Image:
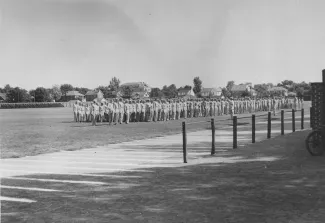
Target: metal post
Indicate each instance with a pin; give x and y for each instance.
(269, 125)
(184, 142)
(253, 128)
(234, 132)
(293, 121)
(213, 148)
(282, 122)
(302, 118)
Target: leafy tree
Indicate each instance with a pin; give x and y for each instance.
(170, 91)
(106, 91)
(245, 94)
(225, 92)
(65, 88)
(17, 95)
(7, 88)
(42, 95)
(114, 84)
(164, 90)
(50, 95)
(32, 95)
(197, 85)
(156, 93)
(126, 91)
(300, 91)
(173, 91)
(230, 84)
(270, 85)
(56, 92)
(286, 83)
(261, 90)
(186, 87)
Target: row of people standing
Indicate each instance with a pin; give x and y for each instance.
(117, 111)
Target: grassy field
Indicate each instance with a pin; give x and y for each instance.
(27, 132)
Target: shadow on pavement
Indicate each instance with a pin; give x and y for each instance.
(272, 181)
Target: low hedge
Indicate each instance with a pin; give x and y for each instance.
(31, 105)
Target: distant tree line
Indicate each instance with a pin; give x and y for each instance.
(59, 92)
(55, 93)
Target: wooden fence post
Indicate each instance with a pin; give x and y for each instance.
(293, 120)
(269, 125)
(302, 118)
(234, 132)
(213, 130)
(184, 142)
(253, 128)
(282, 122)
(323, 110)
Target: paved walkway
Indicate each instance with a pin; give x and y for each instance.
(156, 152)
(271, 181)
(135, 156)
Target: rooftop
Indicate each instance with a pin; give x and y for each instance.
(3, 96)
(184, 90)
(210, 89)
(94, 92)
(241, 87)
(278, 89)
(74, 93)
(135, 84)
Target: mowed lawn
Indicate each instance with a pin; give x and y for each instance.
(26, 132)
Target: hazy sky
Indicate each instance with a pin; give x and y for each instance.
(87, 42)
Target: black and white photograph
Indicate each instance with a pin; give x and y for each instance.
(162, 111)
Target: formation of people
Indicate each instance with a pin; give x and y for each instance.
(120, 111)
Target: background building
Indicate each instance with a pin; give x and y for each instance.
(95, 94)
(74, 95)
(211, 92)
(242, 90)
(278, 91)
(185, 92)
(135, 90)
(3, 97)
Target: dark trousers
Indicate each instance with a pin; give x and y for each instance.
(95, 117)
